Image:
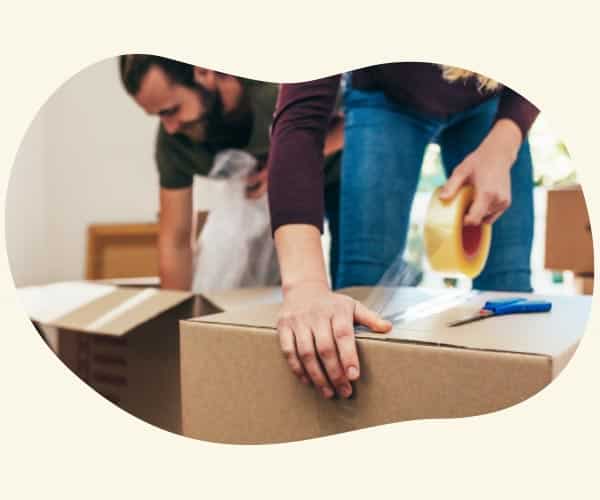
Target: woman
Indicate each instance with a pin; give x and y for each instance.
(392, 113)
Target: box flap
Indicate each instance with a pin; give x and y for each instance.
(104, 310)
(551, 334)
(123, 310)
(45, 304)
(418, 301)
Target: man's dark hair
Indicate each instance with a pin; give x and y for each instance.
(134, 67)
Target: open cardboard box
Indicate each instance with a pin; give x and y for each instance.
(124, 341)
(237, 387)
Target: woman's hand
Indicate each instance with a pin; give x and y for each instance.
(488, 170)
(316, 333)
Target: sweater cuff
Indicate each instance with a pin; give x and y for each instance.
(279, 219)
(518, 109)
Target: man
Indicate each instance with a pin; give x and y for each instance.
(203, 112)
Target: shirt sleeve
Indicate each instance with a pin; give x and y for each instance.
(299, 128)
(168, 161)
(518, 109)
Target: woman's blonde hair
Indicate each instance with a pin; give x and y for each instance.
(453, 74)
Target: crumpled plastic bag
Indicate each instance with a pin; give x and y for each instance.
(235, 248)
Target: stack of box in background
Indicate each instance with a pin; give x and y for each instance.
(569, 244)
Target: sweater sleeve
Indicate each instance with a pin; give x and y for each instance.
(518, 109)
(298, 134)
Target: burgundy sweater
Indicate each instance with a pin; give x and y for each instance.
(304, 109)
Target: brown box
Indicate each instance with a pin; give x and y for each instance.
(124, 341)
(128, 250)
(121, 250)
(237, 388)
(568, 233)
(584, 284)
(130, 358)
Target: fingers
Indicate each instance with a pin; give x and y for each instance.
(328, 354)
(343, 333)
(486, 208)
(454, 183)
(257, 191)
(256, 184)
(319, 344)
(308, 357)
(370, 319)
(288, 347)
(257, 177)
(491, 219)
(477, 211)
(322, 351)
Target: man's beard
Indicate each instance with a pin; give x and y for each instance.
(217, 129)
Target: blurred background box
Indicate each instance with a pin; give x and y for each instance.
(127, 250)
(122, 251)
(569, 244)
(584, 284)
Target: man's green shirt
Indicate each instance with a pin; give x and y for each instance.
(179, 159)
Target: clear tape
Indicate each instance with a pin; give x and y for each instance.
(449, 247)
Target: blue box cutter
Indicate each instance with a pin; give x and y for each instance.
(502, 307)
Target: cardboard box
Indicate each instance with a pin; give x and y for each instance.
(121, 250)
(124, 341)
(237, 387)
(128, 250)
(584, 284)
(568, 233)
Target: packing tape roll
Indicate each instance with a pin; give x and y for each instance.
(450, 245)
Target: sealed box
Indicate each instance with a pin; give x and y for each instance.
(237, 387)
(124, 341)
(568, 233)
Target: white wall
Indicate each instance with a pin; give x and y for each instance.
(26, 236)
(98, 161)
(87, 158)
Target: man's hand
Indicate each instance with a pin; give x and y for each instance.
(488, 170)
(256, 184)
(316, 333)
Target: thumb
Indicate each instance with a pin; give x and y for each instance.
(370, 319)
(453, 184)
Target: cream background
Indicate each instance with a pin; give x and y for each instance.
(59, 440)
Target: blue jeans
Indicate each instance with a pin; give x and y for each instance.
(384, 147)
